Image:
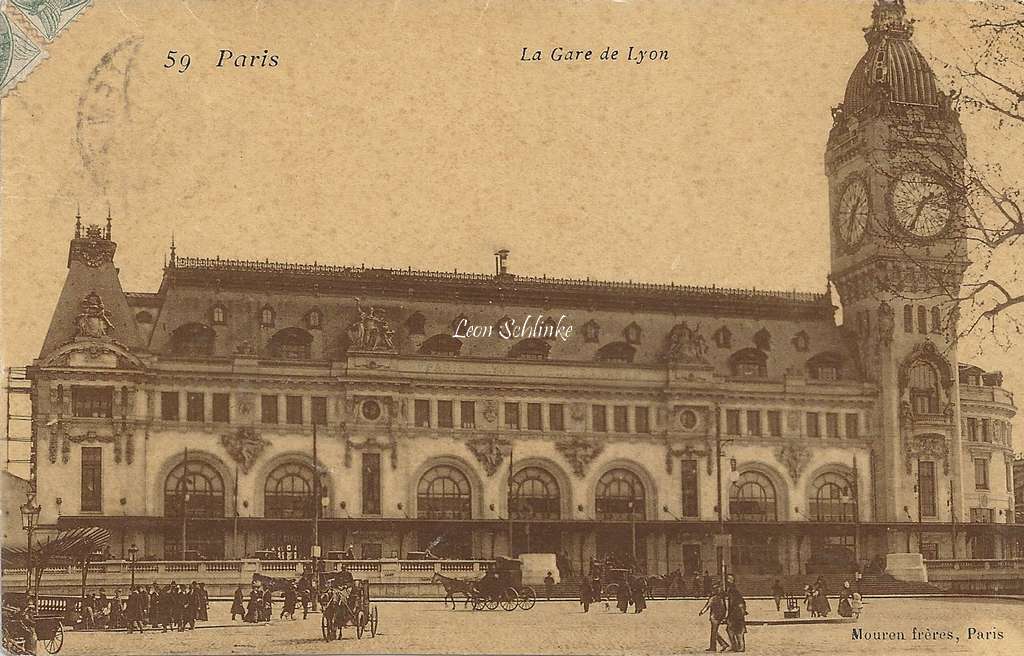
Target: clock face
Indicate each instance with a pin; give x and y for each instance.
(920, 205)
(853, 212)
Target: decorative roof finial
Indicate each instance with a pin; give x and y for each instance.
(889, 17)
(173, 257)
(78, 221)
(108, 223)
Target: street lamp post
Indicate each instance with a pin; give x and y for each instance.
(29, 517)
(632, 531)
(132, 553)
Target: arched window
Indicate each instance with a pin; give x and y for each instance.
(290, 492)
(194, 485)
(723, 337)
(532, 348)
(444, 493)
(441, 344)
(291, 344)
(591, 332)
(620, 495)
(936, 319)
(632, 333)
(534, 494)
(833, 499)
(924, 388)
(218, 315)
(314, 319)
(267, 316)
(192, 339)
(749, 363)
(752, 498)
(922, 319)
(616, 352)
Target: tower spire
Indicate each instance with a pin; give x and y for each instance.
(78, 220)
(173, 257)
(888, 18)
(108, 222)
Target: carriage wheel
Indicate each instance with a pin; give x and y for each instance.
(373, 622)
(325, 627)
(360, 622)
(509, 599)
(527, 598)
(491, 603)
(54, 644)
(477, 602)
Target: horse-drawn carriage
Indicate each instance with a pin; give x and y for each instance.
(345, 601)
(502, 586)
(48, 625)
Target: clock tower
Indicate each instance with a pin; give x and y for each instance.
(895, 162)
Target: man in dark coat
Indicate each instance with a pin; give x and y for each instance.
(586, 594)
(736, 616)
(707, 584)
(203, 604)
(252, 612)
(290, 599)
(638, 585)
(624, 596)
(237, 605)
(144, 602)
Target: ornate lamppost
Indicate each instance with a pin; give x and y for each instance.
(29, 518)
(133, 551)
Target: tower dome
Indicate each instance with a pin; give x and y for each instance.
(892, 70)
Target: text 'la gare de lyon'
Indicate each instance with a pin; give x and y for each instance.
(632, 54)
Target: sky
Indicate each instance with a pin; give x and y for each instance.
(412, 135)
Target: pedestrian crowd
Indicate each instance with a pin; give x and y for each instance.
(260, 606)
(630, 588)
(171, 607)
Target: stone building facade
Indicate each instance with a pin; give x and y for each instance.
(186, 419)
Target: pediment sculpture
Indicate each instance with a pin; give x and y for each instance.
(686, 345)
(93, 320)
(490, 451)
(925, 446)
(579, 453)
(244, 446)
(371, 332)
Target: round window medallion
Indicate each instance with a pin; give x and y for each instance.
(688, 418)
(371, 410)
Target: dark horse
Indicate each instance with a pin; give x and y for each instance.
(453, 587)
(273, 584)
(337, 611)
(670, 581)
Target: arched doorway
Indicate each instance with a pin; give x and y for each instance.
(535, 497)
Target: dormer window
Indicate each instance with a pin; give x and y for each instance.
(416, 323)
(723, 337)
(530, 349)
(291, 344)
(825, 367)
(616, 352)
(763, 340)
(749, 363)
(801, 342)
(441, 344)
(591, 332)
(314, 319)
(218, 315)
(267, 316)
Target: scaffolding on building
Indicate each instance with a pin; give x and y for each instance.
(19, 442)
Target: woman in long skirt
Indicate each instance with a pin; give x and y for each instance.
(845, 608)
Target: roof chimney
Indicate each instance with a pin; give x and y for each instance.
(501, 262)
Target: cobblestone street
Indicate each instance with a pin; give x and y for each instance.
(667, 627)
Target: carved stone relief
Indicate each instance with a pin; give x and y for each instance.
(794, 458)
(925, 446)
(489, 451)
(579, 453)
(685, 345)
(490, 412)
(244, 445)
(371, 332)
(688, 452)
(371, 444)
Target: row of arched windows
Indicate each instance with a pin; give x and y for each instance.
(444, 492)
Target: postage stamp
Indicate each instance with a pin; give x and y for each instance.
(18, 54)
(51, 16)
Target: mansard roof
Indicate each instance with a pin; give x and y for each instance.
(503, 288)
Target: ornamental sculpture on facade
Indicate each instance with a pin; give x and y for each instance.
(94, 247)
(244, 446)
(925, 446)
(93, 319)
(794, 458)
(688, 452)
(372, 331)
(579, 453)
(490, 451)
(685, 345)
